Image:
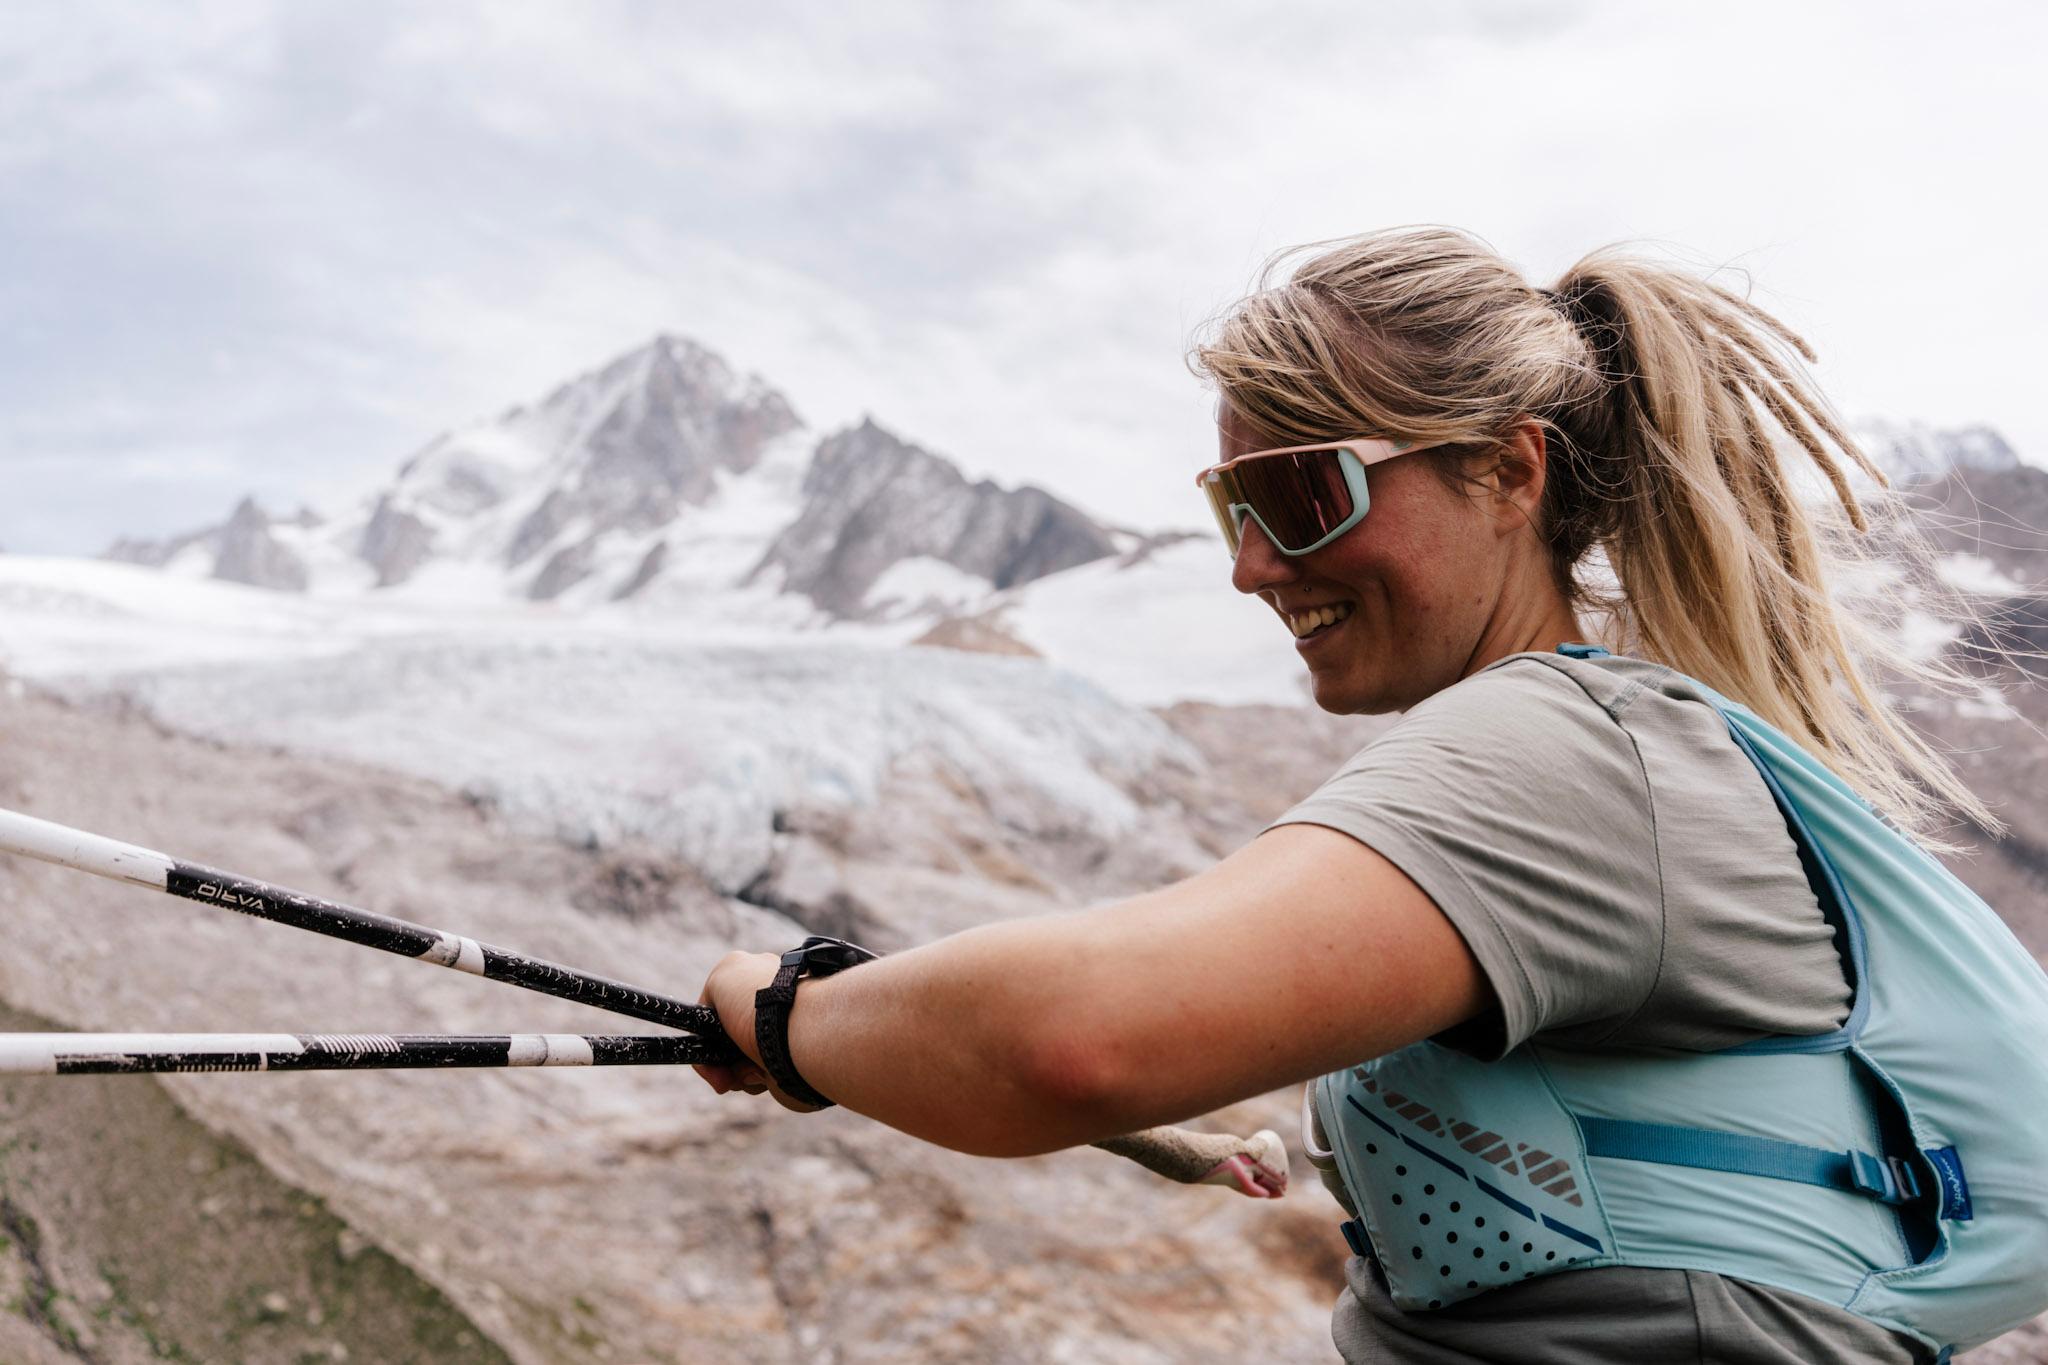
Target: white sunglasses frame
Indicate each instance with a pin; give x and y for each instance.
(1352, 458)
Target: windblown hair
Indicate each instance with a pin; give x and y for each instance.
(1672, 521)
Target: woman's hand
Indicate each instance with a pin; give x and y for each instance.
(730, 990)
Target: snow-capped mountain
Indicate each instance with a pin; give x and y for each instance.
(242, 549)
(662, 475)
(569, 489)
(695, 498)
(1916, 453)
(667, 478)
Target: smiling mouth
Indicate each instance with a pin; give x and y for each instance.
(1308, 624)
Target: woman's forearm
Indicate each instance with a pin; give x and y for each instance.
(1302, 952)
(965, 1042)
(1037, 1034)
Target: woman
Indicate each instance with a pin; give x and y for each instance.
(1546, 847)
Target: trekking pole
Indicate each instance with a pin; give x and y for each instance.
(103, 857)
(81, 1054)
(1255, 1166)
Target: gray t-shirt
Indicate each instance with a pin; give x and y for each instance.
(1619, 870)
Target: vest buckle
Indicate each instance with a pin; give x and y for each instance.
(1889, 1180)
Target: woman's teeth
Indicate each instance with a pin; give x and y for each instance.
(1309, 622)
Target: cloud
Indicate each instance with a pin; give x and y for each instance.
(286, 243)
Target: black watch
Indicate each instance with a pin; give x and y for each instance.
(817, 955)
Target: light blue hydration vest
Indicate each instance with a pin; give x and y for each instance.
(1897, 1167)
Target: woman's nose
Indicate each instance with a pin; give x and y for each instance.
(1259, 565)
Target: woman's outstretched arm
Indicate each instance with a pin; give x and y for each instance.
(1300, 953)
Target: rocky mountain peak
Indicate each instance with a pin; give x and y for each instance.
(872, 500)
(1915, 453)
(680, 415)
(394, 542)
(242, 549)
(647, 435)
(619, 451)
(248, 553)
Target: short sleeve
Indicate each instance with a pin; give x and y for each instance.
(1521, 807)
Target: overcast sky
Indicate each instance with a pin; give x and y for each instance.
(278, 247)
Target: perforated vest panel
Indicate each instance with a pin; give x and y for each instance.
(1470, 1175)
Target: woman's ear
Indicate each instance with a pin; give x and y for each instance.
(1516, 480)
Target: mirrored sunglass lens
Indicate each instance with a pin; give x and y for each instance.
(1300, 497)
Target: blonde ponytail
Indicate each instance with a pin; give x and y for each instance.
(1671, 516)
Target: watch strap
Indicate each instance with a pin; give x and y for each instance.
(818, 955)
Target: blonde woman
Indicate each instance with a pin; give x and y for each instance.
(1446, 481)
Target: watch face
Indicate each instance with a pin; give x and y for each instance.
(822, 955)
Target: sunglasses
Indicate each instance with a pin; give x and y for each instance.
(1302, 497)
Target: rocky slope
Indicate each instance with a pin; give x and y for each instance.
(634, 1215)
(617, 1215)
(129, 1232)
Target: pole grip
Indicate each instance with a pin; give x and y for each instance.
(94, 853)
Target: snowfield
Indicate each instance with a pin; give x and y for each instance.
(596, 724)
(696, 748)
(1167, 628)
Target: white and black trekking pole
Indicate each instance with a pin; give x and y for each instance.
(83, 1054)
(103, 857)
(1255, 1166)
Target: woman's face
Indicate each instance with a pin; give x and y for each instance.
(1426, 577)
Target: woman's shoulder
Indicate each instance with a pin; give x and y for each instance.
(1546, 794)
(1525, 701)
(1612, 682)
(1546, 699)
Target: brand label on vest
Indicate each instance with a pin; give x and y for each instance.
(1955, 1191)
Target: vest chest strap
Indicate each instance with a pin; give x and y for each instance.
(1889, 1180)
